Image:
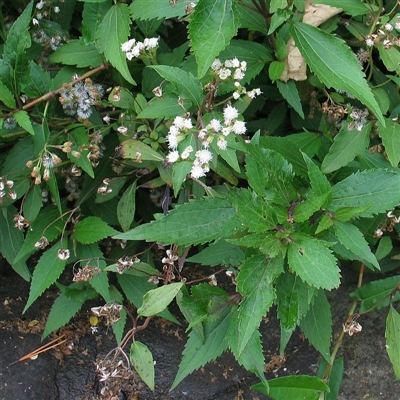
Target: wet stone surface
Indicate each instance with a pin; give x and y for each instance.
(68, 372)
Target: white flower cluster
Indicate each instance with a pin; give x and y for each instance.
(384, 36)
(134, 48)
(359, 118)
(236, 70)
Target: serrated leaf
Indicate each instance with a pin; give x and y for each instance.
(350, 7)
(318, 180)
(390, 135)
(91, 17)
(292, 300)
(392, 334)
(46, 272)
(32, 203)
(352, 239)
(302, 387)
(158, 9)
(142, 360)
(317, 325)
(118, 327)
(308, 207)
(198, 221)
(252, 210)
(67, 304)
(187, 86)
(23, 120)
(334, 63)
(167, 107)
(376, 294)
(53, 186)
(6, 96)
(347, 144)
(81, 145)
(290, 93)
(138, 151)
(267, 169)
(251, 19)
(255, 284)
(198, 352)
(335, 376)
(91, 230)
(126, 207)
(275, 70)
(112, 32)
(390, 57)
(385, 246)
(76, 52)
(157, 300)
(212, 26)
(39, 82)
(219, 253)
(313, 262)
(11, 240)
(346, 213)
(378, 189)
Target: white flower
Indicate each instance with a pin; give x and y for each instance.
(204, 156)
(215, 124)
(173, 156)
(187, 123)
(388, 27)
(173, 141)
(197, 171)
(216, 65)
(150, 43)
(226, 131)
(238, 75)
(236, 95)
(56, 9)
(35, 21)
(228, 63)
(239, 127)
(63, 254)
(179, 122)
(235, 63)
(186, 152)
(369, 42)
(122, 130)
(222, 144)
(230, 113)
(125, 47)
(243, 65)
(397, 25)
(202, 134)
(174, 130)
(224, 73)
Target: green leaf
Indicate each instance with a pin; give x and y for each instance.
(313, 262)
(39, 82)
(142, 360)
(255, 284)
(351, 7)
(267, 169)
(53, 186)
(198, 221)
(335, 376)
(304, 210)
(219, 253)
(76, 52)
(352, 239)
(67, 304)
(392, 335)
(302, 387)
(157, 300)
(91, 230)
(290, 93)
(252, 210)
(187, 86)
(378, 189)
(23, 120)
(50, 225)
(212, 26)
(292, 300)
(137, 150)
(158, 9)
(318, 180)
(390, 135)
(33, 203)
(347, 144)
(167, 107)
(46, 272)
(390, 57)
(11, 240)
(112, 32)
(376, 294)
(91, 17)
(317, 325)
(275, 70)
(81, 145)
(251, 19)
(385, 246)
(198, 352)
(334, 63)
(6, 96)
(126, 207)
